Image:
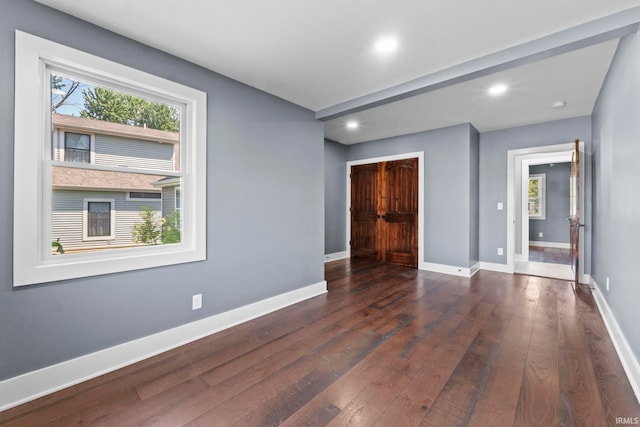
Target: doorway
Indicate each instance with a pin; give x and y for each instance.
(385, 209)
(548, 205)
(528, 251)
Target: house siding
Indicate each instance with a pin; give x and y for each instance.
(67, 218)
(127, 152)
(168, 201)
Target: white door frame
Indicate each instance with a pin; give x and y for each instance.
(515, 161)
(420, 156)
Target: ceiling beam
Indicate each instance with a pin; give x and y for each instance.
(574, 38)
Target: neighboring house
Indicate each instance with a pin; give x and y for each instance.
(170, 187)
(97, 209)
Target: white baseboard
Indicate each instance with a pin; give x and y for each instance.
(557, 245)
(336, 256)
(491, 266)
(474, 268)
(26, 387)
(625, 353)
(448, 269)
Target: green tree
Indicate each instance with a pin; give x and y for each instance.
(171, 228)
(116, 107)
(148, 231)
(534, 196)
(105, 104)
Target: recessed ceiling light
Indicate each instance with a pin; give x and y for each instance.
(386, 44)
(559, 104)
(352, 124)
(497, 90)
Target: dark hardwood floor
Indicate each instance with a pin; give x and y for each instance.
(550, 255)
(387, 346)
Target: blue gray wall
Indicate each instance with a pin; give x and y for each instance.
(493, 177)
(335, 196)
(616, 206)
(265, 227)
(448, 154)
(555, 227)
(474, 195)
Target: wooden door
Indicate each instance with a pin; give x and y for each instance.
(574, 211)
(384, 212)
(400, 212)
(364, 211)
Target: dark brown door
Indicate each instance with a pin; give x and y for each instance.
(364, 211)
(574, 211)
(384, 212)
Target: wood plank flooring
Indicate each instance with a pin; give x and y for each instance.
(550, 255)
(387, 346)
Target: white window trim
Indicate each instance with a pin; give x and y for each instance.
(135, 199)
(33, 261)
(85, 220)
(542, 194)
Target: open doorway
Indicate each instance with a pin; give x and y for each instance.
(545, 199)
(548, 209)
(538, 236)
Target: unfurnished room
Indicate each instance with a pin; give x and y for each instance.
(409, 213)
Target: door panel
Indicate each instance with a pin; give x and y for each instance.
(364, 211)
(401, 211)
(574, 211)
(384, 212)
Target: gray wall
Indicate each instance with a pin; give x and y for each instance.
(555, 227)
(616, 206)
(447, 192)
(493, 177)
(335, 196)
(474, 195)
(265, 226)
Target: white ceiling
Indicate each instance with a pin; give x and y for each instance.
(575, 78)
(319, 54)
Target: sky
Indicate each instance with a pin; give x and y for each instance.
(74, 104)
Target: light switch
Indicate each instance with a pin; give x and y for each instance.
(500, 206)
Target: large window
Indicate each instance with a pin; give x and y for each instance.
(95, 144)
(537, 196)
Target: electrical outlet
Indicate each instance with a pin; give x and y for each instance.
(196, 302)
(540, 234)
(607, 284)
(500, 251)
(500, 206)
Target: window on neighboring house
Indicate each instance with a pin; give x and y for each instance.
(537, 196)
(106, 128)
(99, 219)
(141, 195)
(77, 147)
(177, 199)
